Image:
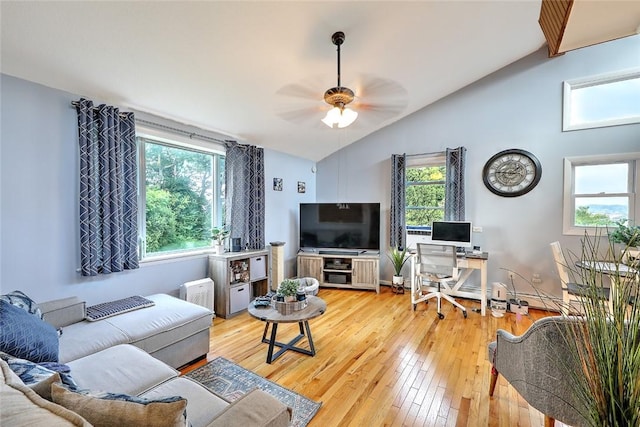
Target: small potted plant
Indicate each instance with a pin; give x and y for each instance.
(218, 235)
(626, 234)
(398, 258)
(288, 288)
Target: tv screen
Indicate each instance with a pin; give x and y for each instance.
(340, 225)
(456, 233)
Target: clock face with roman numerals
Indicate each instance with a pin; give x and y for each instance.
(512, 173)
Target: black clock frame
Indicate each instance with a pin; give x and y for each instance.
(531, 186)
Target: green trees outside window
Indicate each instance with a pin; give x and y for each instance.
(184, 197)
(425, 194)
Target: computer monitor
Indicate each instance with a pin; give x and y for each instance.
(453, 233)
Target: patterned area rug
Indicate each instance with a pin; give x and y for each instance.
(231, 381)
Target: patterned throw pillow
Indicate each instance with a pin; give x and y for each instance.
(19, 299)
(38, 377)
(110, 409)
(26, 336)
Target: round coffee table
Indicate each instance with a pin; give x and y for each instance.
(315, 307)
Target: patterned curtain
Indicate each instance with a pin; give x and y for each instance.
(244, 199)
(397, 223)
(454, 187)
(108, 189)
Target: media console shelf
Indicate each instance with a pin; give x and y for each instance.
(348, 270)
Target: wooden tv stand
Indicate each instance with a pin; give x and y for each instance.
(341, 269)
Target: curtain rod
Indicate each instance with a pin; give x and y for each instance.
(436, 153)
(191, 135)
(183, 132)
(74, 104)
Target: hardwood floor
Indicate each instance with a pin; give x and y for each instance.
(379, 363)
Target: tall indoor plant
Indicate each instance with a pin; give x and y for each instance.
(607, 334)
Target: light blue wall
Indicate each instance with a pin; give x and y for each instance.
(281, 214)
(39, 210)
(519, 106)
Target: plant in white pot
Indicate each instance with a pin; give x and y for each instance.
(218, 235)
(398, 258)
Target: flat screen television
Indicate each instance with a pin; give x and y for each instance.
(452, 233)
(353, 226)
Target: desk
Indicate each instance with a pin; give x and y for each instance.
(467, 264)
(614, 271)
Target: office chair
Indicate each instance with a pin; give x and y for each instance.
(438, 264)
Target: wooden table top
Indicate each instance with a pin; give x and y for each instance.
(315, 307)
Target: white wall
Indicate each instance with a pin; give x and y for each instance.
(519, 106)
(39, 210)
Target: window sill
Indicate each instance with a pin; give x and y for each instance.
(173, 257)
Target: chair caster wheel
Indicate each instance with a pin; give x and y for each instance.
(440, 316)
(465, 314)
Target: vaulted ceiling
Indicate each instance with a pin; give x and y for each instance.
(257, 71)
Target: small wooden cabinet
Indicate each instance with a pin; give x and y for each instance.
(341, 271)
(238, 278)
(309, 266)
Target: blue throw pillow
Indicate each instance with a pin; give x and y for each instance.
(20, 299)
(26, 336)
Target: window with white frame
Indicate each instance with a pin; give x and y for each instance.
(425, 189)
(181, 195)
(600, 191)
(605, 100)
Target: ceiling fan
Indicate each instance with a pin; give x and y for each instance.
(377, 99)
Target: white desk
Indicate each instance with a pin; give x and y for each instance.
(467, 265)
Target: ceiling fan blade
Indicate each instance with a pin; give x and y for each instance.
(370, 87)
(308, 116)
(376, 113)
(300, 91)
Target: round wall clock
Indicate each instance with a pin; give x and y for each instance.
(512, 173)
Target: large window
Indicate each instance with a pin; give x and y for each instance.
(600, 191)
(606, 100)
(425, 190)
(182, 192)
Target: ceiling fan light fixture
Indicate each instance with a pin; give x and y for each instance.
(340, 117)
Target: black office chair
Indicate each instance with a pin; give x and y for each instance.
(437, 264)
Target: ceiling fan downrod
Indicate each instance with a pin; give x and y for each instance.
(338, 96)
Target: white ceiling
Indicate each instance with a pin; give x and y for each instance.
(230, 66)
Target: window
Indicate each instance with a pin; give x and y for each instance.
(607, 100)
(182, 192)
(600, 191)
(425, 190)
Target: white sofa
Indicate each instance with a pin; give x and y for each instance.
(114, 355)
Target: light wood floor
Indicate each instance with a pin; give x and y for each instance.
(379, 363)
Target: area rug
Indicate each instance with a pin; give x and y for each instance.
(231, 381)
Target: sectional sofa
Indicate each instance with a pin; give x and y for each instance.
(115, 371)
